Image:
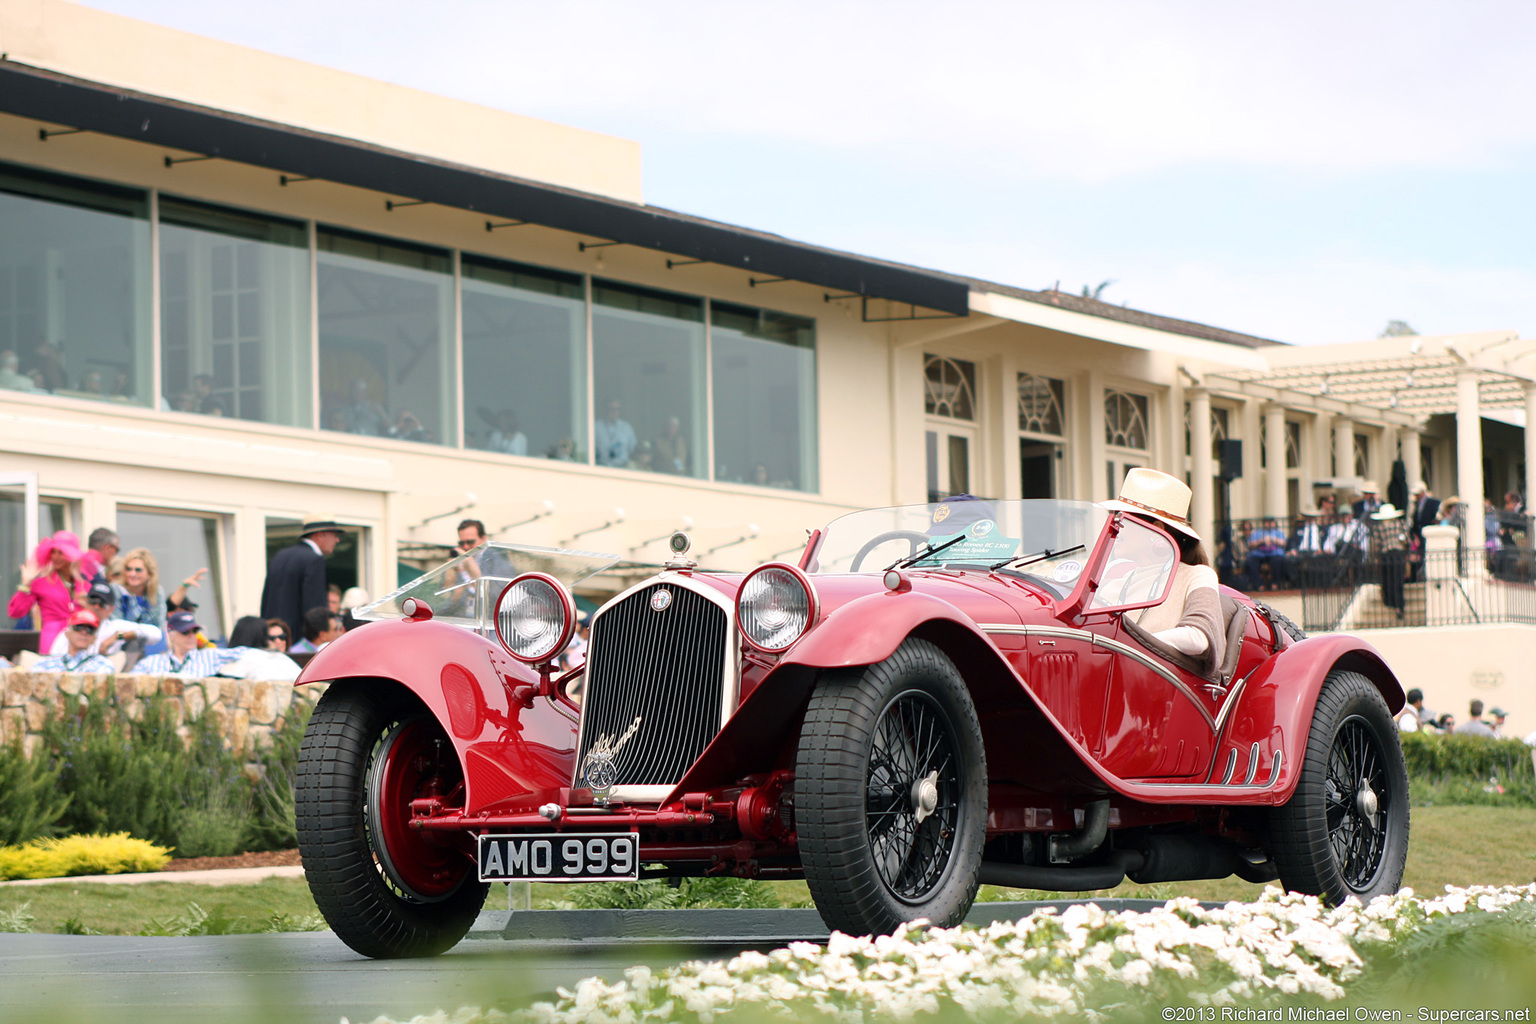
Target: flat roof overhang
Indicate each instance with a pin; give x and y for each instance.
(57, 99)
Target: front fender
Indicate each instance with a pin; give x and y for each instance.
(1273, 711)
(513, 756)
(870, 628)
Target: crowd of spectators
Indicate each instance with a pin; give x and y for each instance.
(97, 610)
(1339, 544)
(1415, 717)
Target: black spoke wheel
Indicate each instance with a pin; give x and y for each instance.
(890, 793)
(1345, 830)
(387, 890)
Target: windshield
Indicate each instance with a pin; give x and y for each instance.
(966, 533)
(464, 591)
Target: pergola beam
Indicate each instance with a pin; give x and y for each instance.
(1303, 401)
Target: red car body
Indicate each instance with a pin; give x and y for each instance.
(1080, 720)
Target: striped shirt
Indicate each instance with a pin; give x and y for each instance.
(199, 663)
(85, 661)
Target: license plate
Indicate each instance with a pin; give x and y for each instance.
(560, 857)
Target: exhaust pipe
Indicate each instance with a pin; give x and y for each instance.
(1094, 876)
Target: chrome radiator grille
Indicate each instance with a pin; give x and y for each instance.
(663, 668)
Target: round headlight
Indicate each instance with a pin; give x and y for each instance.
(776, 605)
(534, 617)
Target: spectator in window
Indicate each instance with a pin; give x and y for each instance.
(11, 377)
(104, 545)
(614, 437)
(115, 635)
(79, 654)
(51, 582)
(296, 578)
(1265, 564)
(644, 458)
(48, 369)
(671, 448)
(408, 428)
(361, 414)
(185, 657)
(504, 436)
(321, 626)
(563, 450)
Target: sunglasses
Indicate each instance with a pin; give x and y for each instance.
(465, 545)
(83, 628)
(272, 638)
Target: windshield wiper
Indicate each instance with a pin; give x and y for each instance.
(1038, 556)
(917, 556)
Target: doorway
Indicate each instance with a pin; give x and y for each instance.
(344, 566)
(1038, 466)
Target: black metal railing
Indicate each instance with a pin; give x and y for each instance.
(1396, 588)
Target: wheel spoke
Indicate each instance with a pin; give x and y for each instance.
(911, 743)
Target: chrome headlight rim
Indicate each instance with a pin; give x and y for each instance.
(567, 607)
(813, 602)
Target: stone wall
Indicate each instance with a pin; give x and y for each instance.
(247, 711)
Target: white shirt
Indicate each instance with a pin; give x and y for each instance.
(109, 629)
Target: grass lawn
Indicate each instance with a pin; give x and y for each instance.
(1449, 846)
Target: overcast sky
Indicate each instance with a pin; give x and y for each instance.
(1300, 171)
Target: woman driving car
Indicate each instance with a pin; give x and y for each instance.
(1189, 620)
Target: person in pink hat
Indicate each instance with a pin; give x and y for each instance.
(53, 583)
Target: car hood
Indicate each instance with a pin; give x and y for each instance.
(981, 596)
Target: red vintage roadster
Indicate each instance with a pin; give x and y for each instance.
(932, 697)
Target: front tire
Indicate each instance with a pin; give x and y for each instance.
(891, 793)
(386, 890)
(1345, 830)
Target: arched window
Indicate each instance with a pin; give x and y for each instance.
(1041, 404)
(949, 387)
(1125, 420)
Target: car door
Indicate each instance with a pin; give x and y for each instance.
(1157, 720)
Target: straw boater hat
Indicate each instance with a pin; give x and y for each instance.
(1152, 493)
(320, 524)
(1387, 511)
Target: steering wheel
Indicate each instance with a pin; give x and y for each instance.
(916, 538)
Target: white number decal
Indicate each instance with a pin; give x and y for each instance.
(570, 852)
(623, 855)
(597, 856)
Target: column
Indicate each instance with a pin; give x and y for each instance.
(1275, 503)
(1469, 462)
(1413, 460)
(1202, 505)
(1530, 443)
(1093, 408)
(1343, 450)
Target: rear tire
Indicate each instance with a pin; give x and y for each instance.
(891, 793)
(387, 890)
(1345, 830)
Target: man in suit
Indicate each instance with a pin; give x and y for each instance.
(1424, 510)
(1370, 499)
(296, 577)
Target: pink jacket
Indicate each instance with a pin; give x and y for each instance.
(52, 595)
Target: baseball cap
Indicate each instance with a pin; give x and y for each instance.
(100, 593)
(181, 622)
(84, 617)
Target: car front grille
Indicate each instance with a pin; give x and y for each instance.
(663, 669)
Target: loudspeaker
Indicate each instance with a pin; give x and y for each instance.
(1230, 454)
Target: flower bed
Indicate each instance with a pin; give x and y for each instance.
(1082, 962)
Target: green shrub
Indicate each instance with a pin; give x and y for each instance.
(30, 802)
(1449, 770)
(273, 826)
(215, 823)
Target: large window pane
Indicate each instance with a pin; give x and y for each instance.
(386, 338)
(525, 357)
(648, 351)
(764, 369)
(234, 313)
(74, 287)
(182, 544)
